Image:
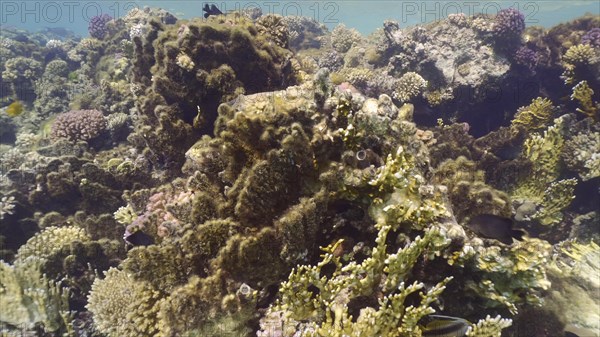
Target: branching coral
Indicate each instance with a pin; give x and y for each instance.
(542, 188)
(509, 22)
(584, 95)
(582, 150)
(535, 116)
(28, 297)
(50, 241)
(409, 86)
(79, 125)
(511, 276)
(123, 306)
(403, 197)
(489, 327)
(342, 38)
(581, 54)
(323, 302)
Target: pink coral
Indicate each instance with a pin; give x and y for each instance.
(78, 125)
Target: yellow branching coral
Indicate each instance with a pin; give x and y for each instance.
(327, 308)
(511, 275)
(489, 327)
(581, 54)
(577, 60)
(28, 297)
(535, 116)
(555, 198)
(50, 241)
(583, 94)
(409, 85)
(542, 188)
(122, 306)
(407, 198)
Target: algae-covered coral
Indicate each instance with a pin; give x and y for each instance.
(262, 175)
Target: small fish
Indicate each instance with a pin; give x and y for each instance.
(14, 109)
(138, 238)
(495, 227)
(445, 326)
(212, 10)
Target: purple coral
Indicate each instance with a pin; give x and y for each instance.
(526, 57)
(97, 26)
(78, 125)
(592, 37)
(509, 22)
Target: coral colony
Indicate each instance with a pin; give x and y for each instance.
(249, 174)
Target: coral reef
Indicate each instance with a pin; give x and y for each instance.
(247, 174)
(51, 89)
(244, 61)
(592, 37)
(20, 74)
(582, 150)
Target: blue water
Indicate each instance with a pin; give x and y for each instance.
(366, 16)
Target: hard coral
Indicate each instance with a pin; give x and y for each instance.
(78, 125)
(526, 57)
(409, 86)
(509, 22)
(50, 241)
(342, 38)
(97, 26)
(536, 116)
(122, 306)
(29, 299)
(592, 37)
